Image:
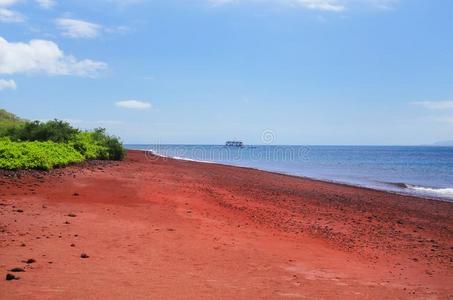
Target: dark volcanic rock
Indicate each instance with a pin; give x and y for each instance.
(11, 277)
(17, 270)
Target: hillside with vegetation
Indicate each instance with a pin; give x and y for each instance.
(46, 145)
(6, 117)
(8, 120)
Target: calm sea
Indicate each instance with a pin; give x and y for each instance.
(422, 171)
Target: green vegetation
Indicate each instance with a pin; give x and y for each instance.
(9, 117)
(45, 145)
(8, 120)
(55, 131)
(36, 155)
(98, 145)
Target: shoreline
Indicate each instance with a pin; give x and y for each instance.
(167, 228)
(402, 193)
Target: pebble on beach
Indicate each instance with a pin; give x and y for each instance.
(11, 277)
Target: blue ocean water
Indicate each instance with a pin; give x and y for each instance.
(423, 171)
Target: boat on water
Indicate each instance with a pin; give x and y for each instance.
(234, 144)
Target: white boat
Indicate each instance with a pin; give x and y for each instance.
(234, 144)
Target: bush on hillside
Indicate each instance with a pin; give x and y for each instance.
(8, 121)
(56, 131)
(6, 116)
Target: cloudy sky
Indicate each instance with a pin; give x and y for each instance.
(206, 71)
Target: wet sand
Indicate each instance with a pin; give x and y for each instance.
(167, 229)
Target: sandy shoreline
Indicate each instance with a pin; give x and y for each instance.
(179, 229)
(402, 193)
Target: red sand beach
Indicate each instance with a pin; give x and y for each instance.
(155, 228)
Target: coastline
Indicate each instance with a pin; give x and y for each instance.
(425, 196)
(172, 228)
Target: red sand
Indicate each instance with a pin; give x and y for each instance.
(168, 229)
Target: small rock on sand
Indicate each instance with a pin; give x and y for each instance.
(29, 261)
(84, 255)
(17, 270)
(11, 277)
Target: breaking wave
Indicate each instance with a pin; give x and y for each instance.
(444, 192)
(438, 191)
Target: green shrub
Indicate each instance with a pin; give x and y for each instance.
(115, 149)
(6, 127)
(98, 145)
(55, 131)
(44, 145)
(36, 155)
(86, 144)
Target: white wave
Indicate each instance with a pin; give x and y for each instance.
(178, 157)
(189, 159)
(438, 191)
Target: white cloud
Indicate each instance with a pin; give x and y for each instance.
(320, 5)
(10, 16)
(326, 5)
(7, 84)
(46, 3)
(133, 104)
(436, 105)
(8, 2)
(42, 3)
(42, 56)
(7, 15)
(77, 28)
(74, 28)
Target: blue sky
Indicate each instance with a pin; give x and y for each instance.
(205, 71)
